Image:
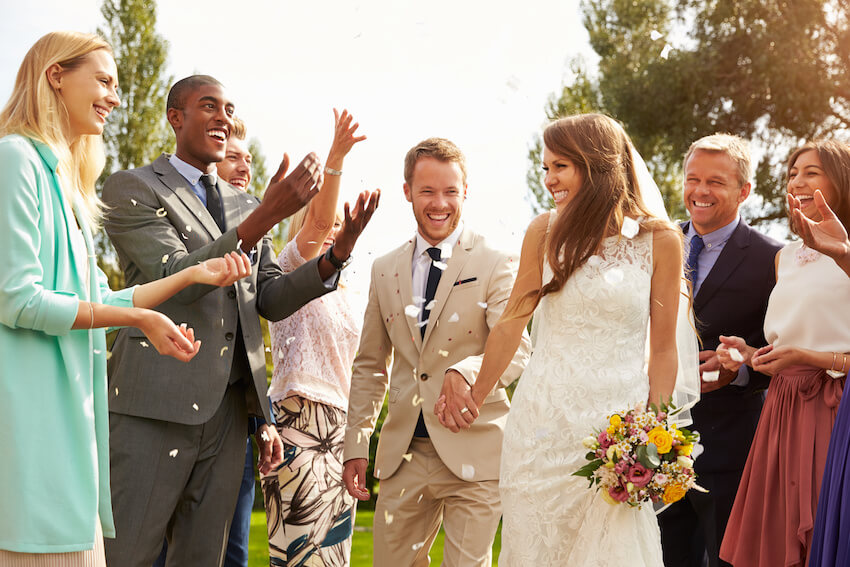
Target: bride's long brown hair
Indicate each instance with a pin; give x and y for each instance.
(600, 148)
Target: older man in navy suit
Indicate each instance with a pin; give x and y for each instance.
(731, 266)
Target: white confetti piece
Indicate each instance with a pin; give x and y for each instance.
(188, 228)
(108, 354)
(736, 355)
(379, 374)
(443, 353)
(144, 344)
(116, 390)
(594, 261)
(195, 407)
(280, 354)
(223, 350)
(265, 436)
(184, 236)
(222, 321)
(467, 472)
(407, 457)
(420, 499)
(445, 251)
(172, 453)
(422, 323)
(416, 399)
(239, 245)
(97, 351)
(431, 305)
(289, 340)
(454, 318)
(268, 349)
(400, 494)
(440, 265)
(655, 35)
(161, 212)
(134, 202)
(411, 311)
(482, 305)
(613, 276)
(711, 376)
(388, 518)
(665, 53)
(164, 258)
(418, 300)
(630, 227)
(359, 436)
(417, 546)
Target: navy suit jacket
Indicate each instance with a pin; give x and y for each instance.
(732, 301)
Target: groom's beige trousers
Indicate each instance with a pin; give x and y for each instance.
(420, 495)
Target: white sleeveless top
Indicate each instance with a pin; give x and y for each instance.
(810, 305)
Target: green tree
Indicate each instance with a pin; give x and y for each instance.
(259, 181)
(137, 131)
(773, 71)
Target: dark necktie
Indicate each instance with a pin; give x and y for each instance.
(693, 255)
(431, 287)
(213, 200)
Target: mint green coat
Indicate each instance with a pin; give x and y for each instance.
(54, 420)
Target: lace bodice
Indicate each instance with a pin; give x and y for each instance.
(314, 348)
(588, 360)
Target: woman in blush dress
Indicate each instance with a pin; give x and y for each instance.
(55, 303)
(309, 514)
(773, 516)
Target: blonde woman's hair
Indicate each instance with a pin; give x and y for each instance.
(37, 111)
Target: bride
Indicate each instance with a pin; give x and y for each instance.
(601, 270)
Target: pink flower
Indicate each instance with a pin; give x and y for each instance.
(639, 475)
(604, 440)
(618, 492)
(621, 467)
(661, 479)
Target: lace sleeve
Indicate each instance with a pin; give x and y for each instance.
(290, 258)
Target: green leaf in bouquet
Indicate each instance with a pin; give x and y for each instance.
(588, 469)
(647, 455)
(590, 456)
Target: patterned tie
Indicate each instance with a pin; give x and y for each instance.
(213, 200)
(431, 287)
(693, 255)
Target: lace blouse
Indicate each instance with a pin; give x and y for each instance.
(314, 348)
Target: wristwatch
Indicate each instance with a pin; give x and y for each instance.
(338, 265)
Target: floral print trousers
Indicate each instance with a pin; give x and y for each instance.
(309, 513)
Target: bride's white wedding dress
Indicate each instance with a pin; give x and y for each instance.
(588, 361)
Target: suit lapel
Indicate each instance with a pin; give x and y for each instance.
(172, 179)
(404, 269)
(235, 204)
(460, 254)
(730, 258)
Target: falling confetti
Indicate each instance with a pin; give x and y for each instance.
(164, 258)
(188, 228)
(161, 212)
(736, 355)
(223, 350)
(289, 340)
(665, 53)
(388, 518)
(613, 276)
(379, 374)
(711, 376)
(655, 35)
(416, 399)
(594, 261)
(108, 354)
(265, 436)
(482, 305)
(431, 305)
(184, 236)
(417, 546)
(172, 453)
(280, 354)
(440, 265)
(96, 351)
(467, 472)
(116, 390)
(420, 499)
(144, 344)
(630, 227)
(422, 323)
(445, 251)
(134, 202)
(443, 353)
(239, 244)
(454, 318)
(407, 457)
(418, 300)
(411, 311)
(268, 349)
(195, 407)
(359, 436)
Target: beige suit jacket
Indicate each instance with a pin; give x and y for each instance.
(476, 275)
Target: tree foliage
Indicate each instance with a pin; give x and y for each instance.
(137, 131)
(772, 71)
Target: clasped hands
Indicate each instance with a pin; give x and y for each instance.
(768, 359)
(456, 408)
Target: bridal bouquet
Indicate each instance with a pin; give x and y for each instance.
(640, 456)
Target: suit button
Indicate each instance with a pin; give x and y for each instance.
(228, 336)
(231, 294)
(423, 376)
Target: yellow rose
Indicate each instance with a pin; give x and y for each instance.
(615, 420)
(685, 449)
(662, 440)
(673, 493)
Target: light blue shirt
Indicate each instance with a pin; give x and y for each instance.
(193, 175)
(714, 243)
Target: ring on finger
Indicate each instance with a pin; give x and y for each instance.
(464, 410)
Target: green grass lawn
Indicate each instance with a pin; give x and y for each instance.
(361, 547)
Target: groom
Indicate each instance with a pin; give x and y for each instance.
(432, 303)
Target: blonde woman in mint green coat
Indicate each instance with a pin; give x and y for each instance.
(54, 304)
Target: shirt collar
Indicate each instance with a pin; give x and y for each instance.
(716, 237)
(191, 173)
(422, 245)
(46, 154)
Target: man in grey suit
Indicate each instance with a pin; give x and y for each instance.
(177, 434)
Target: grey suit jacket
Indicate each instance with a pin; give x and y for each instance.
(158, 227)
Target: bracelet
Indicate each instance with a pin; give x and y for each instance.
(331, 171)
(91, 314)
(834, 355)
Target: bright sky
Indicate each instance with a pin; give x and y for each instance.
(474, 72)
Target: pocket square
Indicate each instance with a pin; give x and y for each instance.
(467, 280)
